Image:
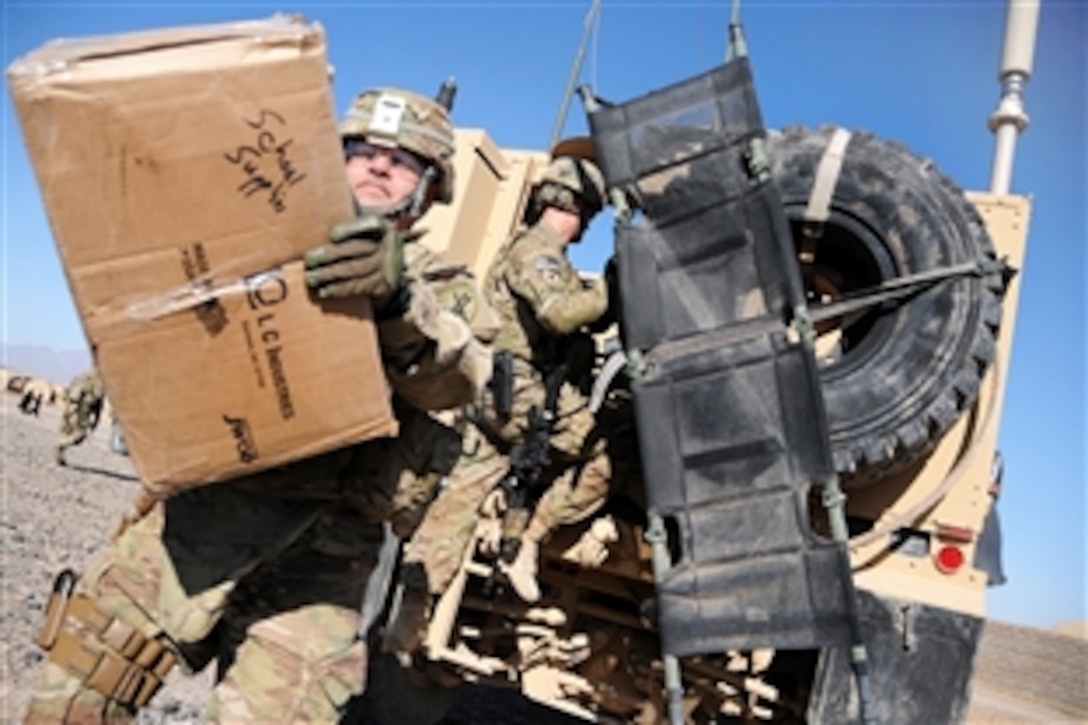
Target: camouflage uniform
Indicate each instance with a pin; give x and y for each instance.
(437, 547)
(83, 399)
(267, 572)
(544, 306)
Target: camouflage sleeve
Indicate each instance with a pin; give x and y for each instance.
(545, 279)
(433, 360)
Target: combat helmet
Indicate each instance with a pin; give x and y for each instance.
(395, 117)
(571, 182)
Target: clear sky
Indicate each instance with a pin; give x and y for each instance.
(923, 73)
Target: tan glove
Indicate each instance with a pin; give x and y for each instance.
(365, 256)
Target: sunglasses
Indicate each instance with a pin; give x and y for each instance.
(398, 157)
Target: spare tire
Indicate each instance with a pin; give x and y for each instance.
(898, 375)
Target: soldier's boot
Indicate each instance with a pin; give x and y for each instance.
(60, 456)
(523, 571)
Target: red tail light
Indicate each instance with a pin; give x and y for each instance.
(948, 559)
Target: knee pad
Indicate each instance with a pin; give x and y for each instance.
(104, 652)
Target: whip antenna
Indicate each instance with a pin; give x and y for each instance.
(575, 72)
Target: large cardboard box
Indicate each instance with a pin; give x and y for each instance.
(184, 172)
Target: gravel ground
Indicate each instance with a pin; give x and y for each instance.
(52, 517)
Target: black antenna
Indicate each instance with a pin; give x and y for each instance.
(446, 94)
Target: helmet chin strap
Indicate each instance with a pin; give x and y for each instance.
(411, 207)
(418, 198)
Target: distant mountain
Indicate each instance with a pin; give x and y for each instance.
(58, 366)
(1072, 629)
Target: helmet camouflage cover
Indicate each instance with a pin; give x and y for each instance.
(568, 178)
(394, 117)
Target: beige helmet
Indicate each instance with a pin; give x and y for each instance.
(571, 182)
(395, 117)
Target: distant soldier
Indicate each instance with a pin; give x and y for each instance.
(31, 402)
(83, 399)
(34, 393)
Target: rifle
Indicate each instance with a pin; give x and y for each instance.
(522, 483)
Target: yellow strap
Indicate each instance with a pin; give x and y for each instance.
(827, 177)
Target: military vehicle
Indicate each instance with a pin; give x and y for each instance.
(815, 326)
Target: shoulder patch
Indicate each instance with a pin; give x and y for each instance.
(458, 296)
(549, 268)
(548, 264)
